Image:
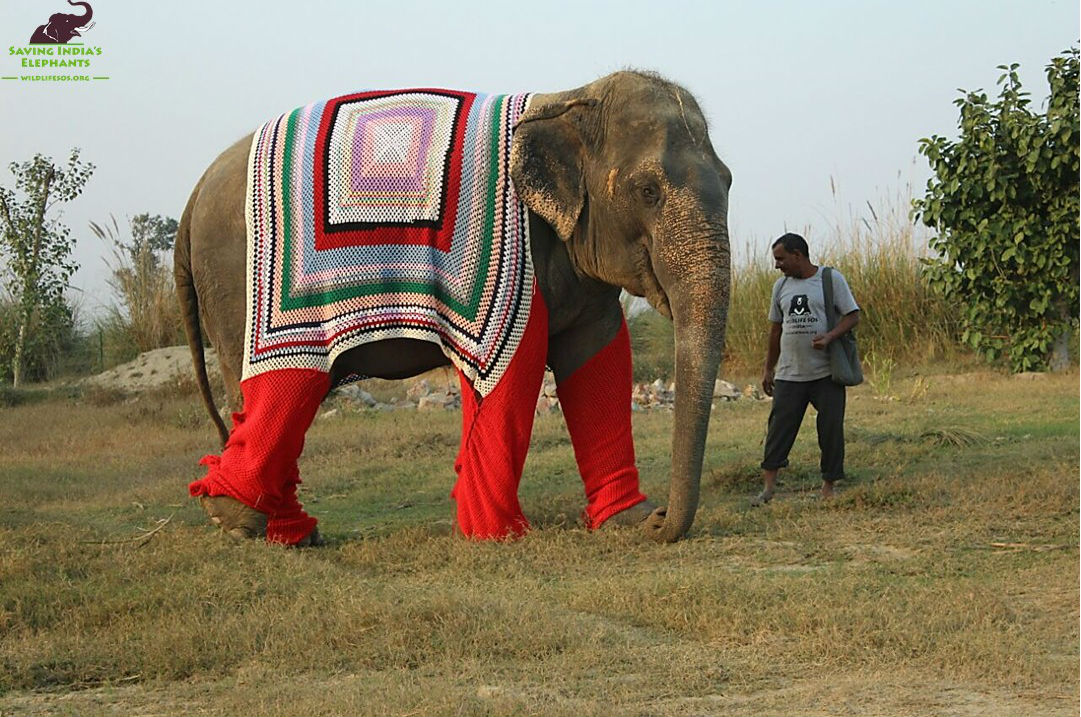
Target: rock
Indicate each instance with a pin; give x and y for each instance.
(547, 405)
(548, 399)
(356, 394)
(418, 389)
(754, 393)
(725, 390)
(439, 400)
(429, 402)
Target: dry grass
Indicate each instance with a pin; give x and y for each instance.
(944, 578)
(147, 315)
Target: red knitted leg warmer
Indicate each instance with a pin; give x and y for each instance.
(495, 438)
(259, 464)
(596, 402)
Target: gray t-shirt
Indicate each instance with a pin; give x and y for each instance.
(799, 306)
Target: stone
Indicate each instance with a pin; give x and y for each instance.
(725, 390)
(357, 395)
(418, 389)
(547, 405)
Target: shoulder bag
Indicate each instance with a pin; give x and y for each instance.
(844, 355)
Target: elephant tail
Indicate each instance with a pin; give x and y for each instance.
(189, 312)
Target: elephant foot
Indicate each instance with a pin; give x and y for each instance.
(235, 519)
(312, 540)
(631, 517)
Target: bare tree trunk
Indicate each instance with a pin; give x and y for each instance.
(1060, 352)
(20, 350)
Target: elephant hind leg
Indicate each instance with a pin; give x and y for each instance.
(258, 466)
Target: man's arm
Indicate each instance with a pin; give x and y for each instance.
(846, 324)
(773, 352)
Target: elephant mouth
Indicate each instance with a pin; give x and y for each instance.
(659, 302)
(653, 290)
(645, 282)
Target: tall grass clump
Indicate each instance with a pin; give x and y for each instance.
(146, 316)
(652, 352)
(903, 322)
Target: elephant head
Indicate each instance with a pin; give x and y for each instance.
(62, 27)
(624, 172)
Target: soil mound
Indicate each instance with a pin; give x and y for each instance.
(154, 369)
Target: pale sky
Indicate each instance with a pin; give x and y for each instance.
(800, 95)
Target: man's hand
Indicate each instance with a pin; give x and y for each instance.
(767, 382)
(821, 341)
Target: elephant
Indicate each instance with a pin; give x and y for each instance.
(61, 27)
(623, 190)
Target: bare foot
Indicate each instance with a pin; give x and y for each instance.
(827, 489)
(762, 498)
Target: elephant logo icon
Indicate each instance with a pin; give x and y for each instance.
(62, 26)
(799, 306)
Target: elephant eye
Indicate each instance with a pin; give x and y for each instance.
(650, 193)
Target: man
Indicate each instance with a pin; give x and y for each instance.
(797, 370)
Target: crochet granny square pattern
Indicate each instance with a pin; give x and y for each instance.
(387, 214)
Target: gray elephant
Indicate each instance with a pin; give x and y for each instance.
(619, 188)
(62, 27)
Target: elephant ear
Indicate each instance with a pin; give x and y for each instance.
(546, 164)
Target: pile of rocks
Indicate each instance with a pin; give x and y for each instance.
(425, 395)
(647, 396)
(420, 395)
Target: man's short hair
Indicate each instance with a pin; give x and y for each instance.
(793, 244)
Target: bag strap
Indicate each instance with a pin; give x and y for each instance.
(779, 290)
(827, 294)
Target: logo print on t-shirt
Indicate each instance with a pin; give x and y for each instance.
(799, 306)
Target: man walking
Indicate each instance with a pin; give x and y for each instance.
(797, 370)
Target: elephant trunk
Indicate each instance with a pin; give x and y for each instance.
(85, 19)
(699, 307)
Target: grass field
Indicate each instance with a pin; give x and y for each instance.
(942, 580)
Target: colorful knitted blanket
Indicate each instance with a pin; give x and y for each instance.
(387, 215)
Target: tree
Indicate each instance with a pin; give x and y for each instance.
(36, 248)
(1004, 204)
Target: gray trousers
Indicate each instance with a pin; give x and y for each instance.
(790, 400)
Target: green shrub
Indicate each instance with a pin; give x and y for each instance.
(1004, 204)
(49, 349)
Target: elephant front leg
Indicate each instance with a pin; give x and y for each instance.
(495, 438)
(596, 403)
